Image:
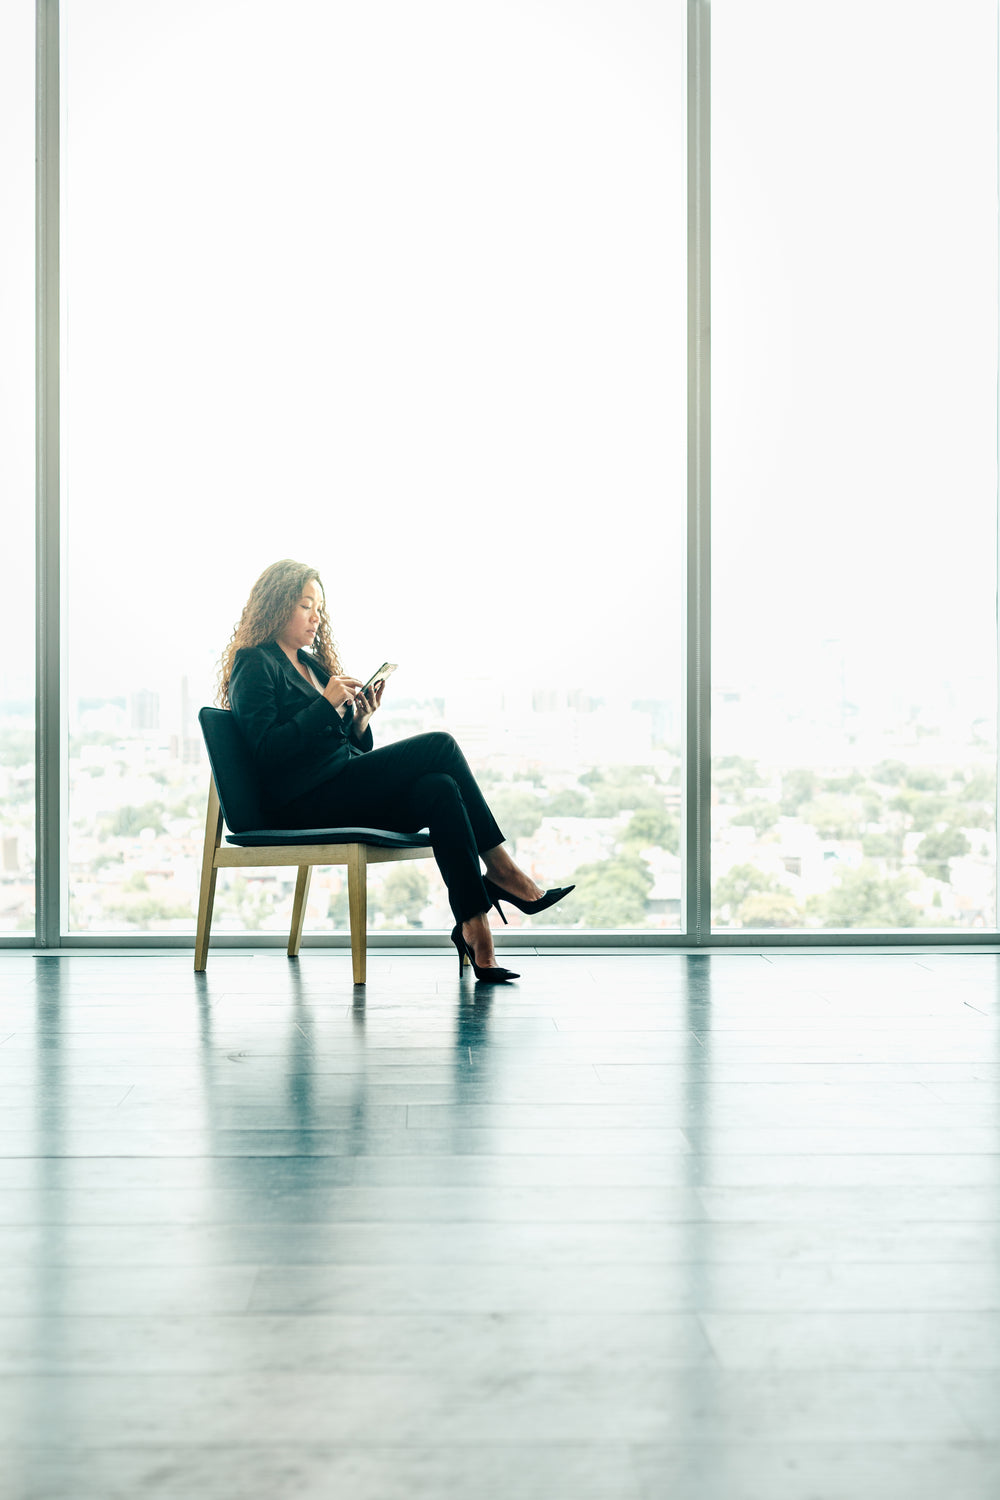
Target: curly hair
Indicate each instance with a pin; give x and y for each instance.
(270, 606)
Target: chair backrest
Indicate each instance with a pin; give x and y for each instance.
(232, 767)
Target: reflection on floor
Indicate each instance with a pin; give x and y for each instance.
(706, 1228)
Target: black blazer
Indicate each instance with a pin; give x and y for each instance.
(296, 736)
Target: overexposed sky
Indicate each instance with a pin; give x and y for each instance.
(855, 341)
(17, 347)
(397, 290)
(400, 290)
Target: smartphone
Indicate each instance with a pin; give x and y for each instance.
(385, 670)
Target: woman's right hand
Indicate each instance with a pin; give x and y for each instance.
(341, 690)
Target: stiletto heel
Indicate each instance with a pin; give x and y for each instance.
(466, 956)
(463, 957)
(496, 894)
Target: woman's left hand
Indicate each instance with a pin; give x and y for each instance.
(365, 705)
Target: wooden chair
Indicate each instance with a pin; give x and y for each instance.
(234, 796)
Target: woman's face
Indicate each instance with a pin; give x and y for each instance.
(301, 628)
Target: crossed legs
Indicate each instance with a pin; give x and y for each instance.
(425, 781)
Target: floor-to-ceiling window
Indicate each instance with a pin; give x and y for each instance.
(17, 468)
(398, 291)
(403, 294)
(854, 486)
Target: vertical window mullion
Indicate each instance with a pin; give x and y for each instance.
(698, 893)
(48, 758)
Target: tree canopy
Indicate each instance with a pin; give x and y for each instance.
(863, 898)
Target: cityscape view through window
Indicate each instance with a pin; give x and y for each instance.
(17, 466)
(854, 465)
(445, 366)
(448, 368)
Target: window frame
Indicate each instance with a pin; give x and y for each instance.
(696, 931)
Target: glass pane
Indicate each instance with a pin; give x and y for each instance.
(17, 466)
(397, 290)
(854, 464)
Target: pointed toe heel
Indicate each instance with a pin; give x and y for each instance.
(497, 894)
(466, 956)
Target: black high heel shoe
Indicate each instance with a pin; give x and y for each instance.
(465, 955)
(497, 894)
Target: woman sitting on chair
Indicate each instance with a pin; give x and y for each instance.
(307, 724)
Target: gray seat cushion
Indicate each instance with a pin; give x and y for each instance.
(384, 837)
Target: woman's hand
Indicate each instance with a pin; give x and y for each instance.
(341, 690)
(365, 705)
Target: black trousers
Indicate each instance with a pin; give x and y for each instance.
(421, 782)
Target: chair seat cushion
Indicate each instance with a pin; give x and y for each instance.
(385, 837)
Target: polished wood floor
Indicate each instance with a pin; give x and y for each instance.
(705, 1228)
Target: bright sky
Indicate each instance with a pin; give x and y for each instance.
(399, 290)
(855, 341)
(394, 289)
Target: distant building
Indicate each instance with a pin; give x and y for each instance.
(190, 742)
(144, 710)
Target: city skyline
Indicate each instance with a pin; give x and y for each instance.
(873, 821)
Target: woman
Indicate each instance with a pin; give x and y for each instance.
(308, 726)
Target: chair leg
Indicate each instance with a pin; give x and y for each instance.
(299, 910)
(357, 900)
(209, 873)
